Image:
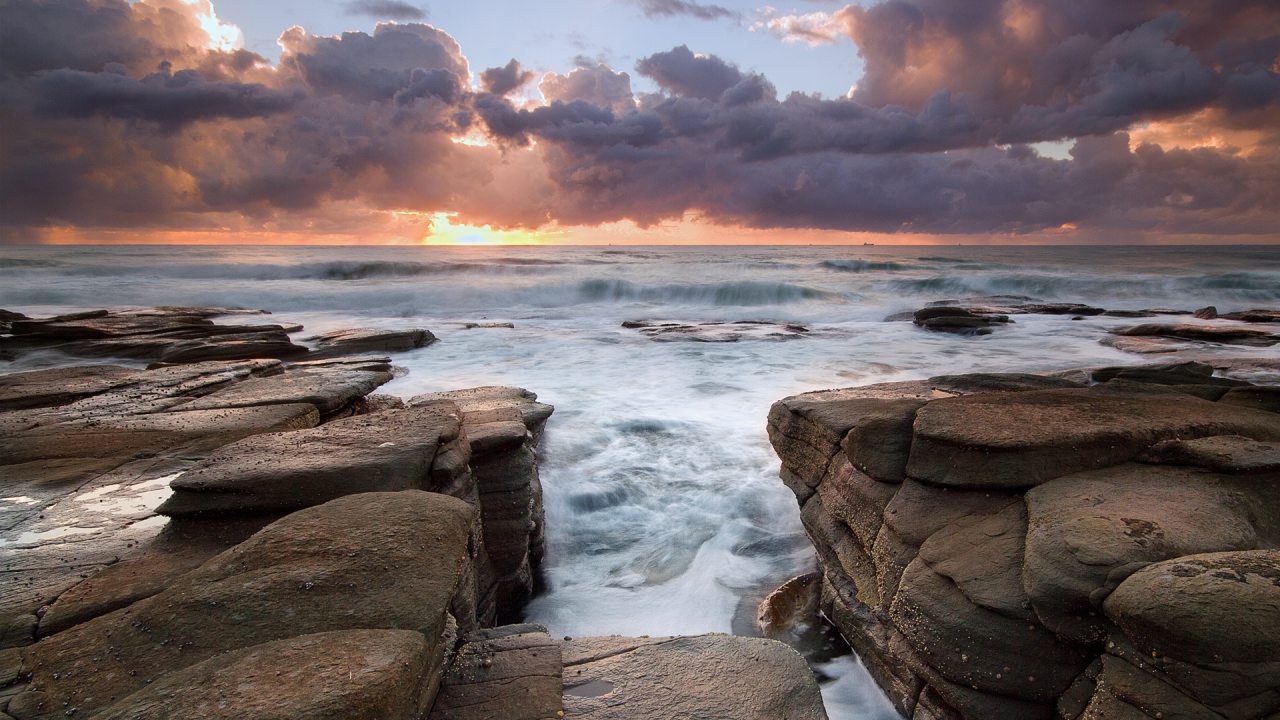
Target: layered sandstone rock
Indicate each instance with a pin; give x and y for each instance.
(1047, 546)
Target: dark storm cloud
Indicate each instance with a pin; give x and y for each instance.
(933, 139)
(670, 8)
(389, 9)
(167, 99)
(502, 80)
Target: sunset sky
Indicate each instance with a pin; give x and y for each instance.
(640, 121)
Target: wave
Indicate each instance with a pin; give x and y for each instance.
(1239, 286)
(739, 293)
(857, 266)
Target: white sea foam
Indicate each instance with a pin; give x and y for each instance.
(663, 505)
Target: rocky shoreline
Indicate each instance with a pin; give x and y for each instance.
(1095, 544)
(245, 529)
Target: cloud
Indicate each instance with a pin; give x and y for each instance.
(815, 28)
(671, 8)
(390, 9)
(598, 85)
(167, 99)
(689, 75)
(374, 67)
(503, 80)
(135, 116)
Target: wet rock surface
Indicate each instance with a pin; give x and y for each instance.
(660, 331)
(366, 340)
(180, 335)
(1085, 544)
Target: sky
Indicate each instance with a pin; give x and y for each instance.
(640, 122)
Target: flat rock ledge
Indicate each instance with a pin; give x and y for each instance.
(1095, 544)
(178, 335)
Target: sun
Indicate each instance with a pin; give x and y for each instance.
(441, 230)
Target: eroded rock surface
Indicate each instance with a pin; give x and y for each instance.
(501, 428)
(1036, 546)
(707, 676)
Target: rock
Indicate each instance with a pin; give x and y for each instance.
(807, 430)
(1221, 453)
(1206, 313)
(60, 386)
(708, 676)
(1259, 398)
(1125, 691)
(1090, 531)
(389, 561)
(151, 434)
(999, 382)
(1184, 373)
(1061, 309)
(1204, 608)
(957, 320)
(180, 547)
(982, 440)
(856, 499)
(1204, 333)
(364, 340)
(495, 404)
(1129, 313)
(1144, 345)
(165, 334)
(329, 389)
(380, 452)
(506, 673)
(352, 673)
(716, 331)
(1254, 316)
(1232, 689)
(971, 646)
(264, 345)
(792, 603)
(503, 426)
(915, 513)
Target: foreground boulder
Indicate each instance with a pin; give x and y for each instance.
(391, 561)
(350, 673)
(1011, 546)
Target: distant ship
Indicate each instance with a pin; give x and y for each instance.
(868, 243)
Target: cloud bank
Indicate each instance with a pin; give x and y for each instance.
(120, 115)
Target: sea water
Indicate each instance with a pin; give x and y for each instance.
(664, 511)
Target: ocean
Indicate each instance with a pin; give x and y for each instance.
(664, 511)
